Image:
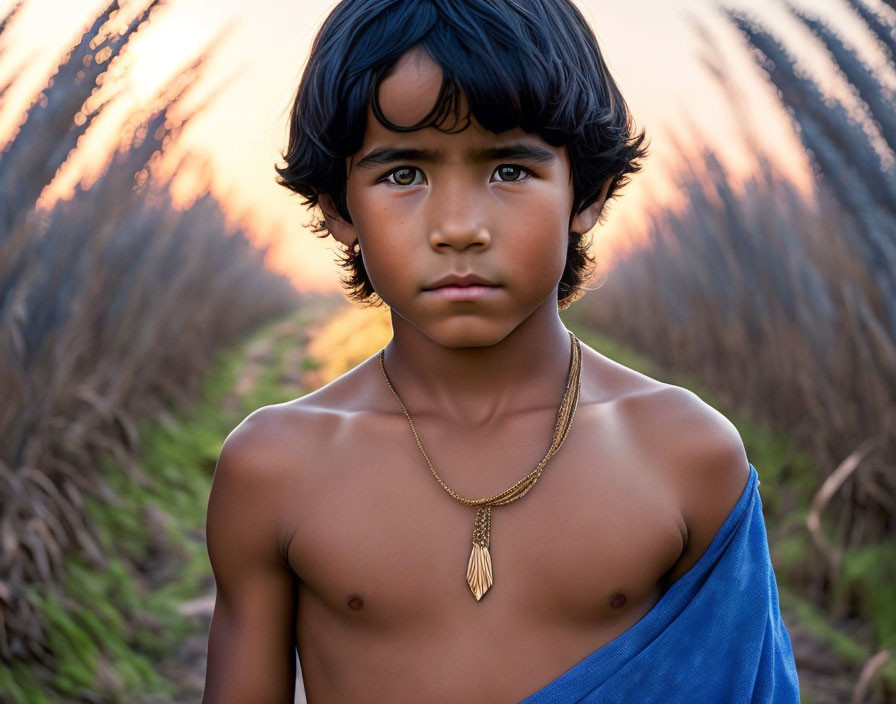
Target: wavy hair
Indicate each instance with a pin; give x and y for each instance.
(533, 64)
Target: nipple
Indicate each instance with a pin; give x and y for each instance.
(355, 603)
(618, 600)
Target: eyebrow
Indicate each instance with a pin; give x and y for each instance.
(389, 155)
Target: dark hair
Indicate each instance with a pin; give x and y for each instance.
(533, 64)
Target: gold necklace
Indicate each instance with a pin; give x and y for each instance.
(479, 568)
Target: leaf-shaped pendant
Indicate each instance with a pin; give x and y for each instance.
(479, 571)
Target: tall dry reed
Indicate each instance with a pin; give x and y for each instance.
(786, 305)
(112, 305)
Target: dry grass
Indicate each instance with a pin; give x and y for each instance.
(112, 305)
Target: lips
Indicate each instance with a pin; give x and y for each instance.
(460, 280)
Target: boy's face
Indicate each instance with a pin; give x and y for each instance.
(496, 206)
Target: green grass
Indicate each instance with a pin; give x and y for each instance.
(870, 571)
(107, 633)
(816, 622)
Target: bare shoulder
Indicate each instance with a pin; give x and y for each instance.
(694, 441)
(700, 447)
(261, 466)
(254, 465)
(687, 444)
(357, 390)
(278, 456)
(271, 436)
(709, 468)
(263, 447)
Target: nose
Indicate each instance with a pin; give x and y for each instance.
(456, 218)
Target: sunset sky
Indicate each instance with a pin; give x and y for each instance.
(649, 46)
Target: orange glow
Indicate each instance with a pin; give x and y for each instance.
(253, 73)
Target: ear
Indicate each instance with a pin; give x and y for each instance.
(585, 219)
(342, 230)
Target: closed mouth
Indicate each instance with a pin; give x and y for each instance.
(460, 281)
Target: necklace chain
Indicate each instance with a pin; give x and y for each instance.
(479, 572)
(561, 430)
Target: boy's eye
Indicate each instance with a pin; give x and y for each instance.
(509, 173)
(404, 176)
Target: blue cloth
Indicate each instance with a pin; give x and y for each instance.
(715, 636)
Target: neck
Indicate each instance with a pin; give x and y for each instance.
(476, 386)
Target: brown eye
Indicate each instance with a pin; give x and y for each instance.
(404, 176)
(509, 173)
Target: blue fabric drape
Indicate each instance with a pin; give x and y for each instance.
(715, 636)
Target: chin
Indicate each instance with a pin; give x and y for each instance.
(459, 333)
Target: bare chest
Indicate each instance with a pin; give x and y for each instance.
(579, 538)
(382, 552)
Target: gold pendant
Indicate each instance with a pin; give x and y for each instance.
(479, 569)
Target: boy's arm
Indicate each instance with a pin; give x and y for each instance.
(709, 462)
(251, 646)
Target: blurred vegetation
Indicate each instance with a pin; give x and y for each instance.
(344, 341)
(113, 307)
(115, 631)
(784, 307)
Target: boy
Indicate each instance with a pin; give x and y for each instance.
(460, 150)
